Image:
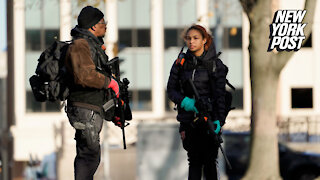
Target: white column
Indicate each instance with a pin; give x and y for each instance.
(157, 56)
(112, 28)
(246, 65)
(19, 60)
(203, 13)
(111, 40)
(65, 20)
(65, 24)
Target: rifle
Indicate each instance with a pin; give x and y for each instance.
(122, 108)
(204, 114)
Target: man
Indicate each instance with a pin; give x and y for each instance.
(86, 63)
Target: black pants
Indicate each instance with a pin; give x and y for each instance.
(88, 125)
(202, 153)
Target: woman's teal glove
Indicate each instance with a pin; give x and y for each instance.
(188, 104)
(217, 122)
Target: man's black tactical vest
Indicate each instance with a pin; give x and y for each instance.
(88, 95)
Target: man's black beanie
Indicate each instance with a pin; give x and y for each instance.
(89, 16)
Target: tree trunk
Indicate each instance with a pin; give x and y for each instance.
(264, 160)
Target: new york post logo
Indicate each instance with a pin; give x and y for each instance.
(286, 30)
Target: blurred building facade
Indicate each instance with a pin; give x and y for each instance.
(42, 128)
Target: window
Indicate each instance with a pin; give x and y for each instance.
(143, 37)
(134, 38)
(301, 98)
(232, 37)
(33, 38)
(173, 37)
(125, 38)
(141, 100)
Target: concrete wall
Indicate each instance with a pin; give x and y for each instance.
(159, 152)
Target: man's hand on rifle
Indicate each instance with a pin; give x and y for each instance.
(188, 104)
(217, 124)
(114, 86)
(117, 121)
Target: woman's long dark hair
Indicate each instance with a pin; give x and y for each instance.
(204, 34)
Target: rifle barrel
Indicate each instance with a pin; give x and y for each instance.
(124, 138)
(225, 157)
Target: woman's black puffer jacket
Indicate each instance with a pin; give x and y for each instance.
(209, 80)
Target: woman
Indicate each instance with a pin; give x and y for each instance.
(208, 74)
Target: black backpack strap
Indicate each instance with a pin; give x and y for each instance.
(181, 57)
(179, 63)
